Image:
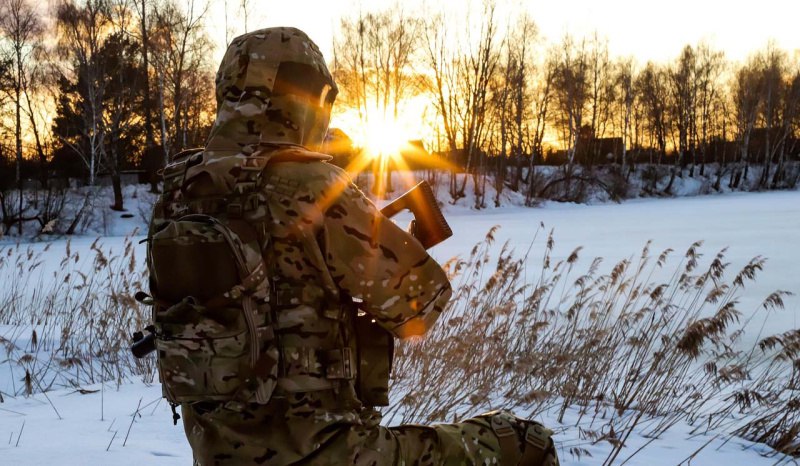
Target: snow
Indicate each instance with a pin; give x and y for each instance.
(93, 429)
(94, 426)
(748, 224)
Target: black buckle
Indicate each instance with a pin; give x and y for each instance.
(339, 364)
(235, 210)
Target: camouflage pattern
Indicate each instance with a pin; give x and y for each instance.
(250, 110)
(214, 336)
(325, 247)
(287, 432)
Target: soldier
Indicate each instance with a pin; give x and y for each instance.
(307, 245)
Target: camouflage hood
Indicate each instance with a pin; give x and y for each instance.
(273, 92)
(272, 87)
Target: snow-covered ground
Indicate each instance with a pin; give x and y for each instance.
(99, 428)
(748, 224)
(68, 427)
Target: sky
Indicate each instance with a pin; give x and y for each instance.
(644, 29)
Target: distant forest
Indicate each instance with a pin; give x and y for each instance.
(98, 89)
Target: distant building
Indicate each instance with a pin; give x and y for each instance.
(339, 145)
(594, 151)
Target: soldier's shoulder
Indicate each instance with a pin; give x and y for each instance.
(303, 174)
(307, 168)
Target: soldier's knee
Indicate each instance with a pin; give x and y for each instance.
(522, 442)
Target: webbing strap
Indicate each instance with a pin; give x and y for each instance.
(534, 448)
(337, 363)
(507, 437)
(537, 440)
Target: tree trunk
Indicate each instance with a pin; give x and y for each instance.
(673, 174)
(163, 118)
(147, 104)
(18, 135)
(116, 183)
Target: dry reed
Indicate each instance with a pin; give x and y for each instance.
(628, 354)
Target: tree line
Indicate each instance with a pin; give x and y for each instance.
(506, 100)
(90, 87)
(100, 86)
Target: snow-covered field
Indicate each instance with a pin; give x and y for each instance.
(747, 224)
(102, 425)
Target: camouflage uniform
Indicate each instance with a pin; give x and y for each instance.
(328, 246)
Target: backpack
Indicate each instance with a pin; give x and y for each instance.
(209, 282)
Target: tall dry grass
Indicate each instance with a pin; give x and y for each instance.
(68, 324)
(627, 353)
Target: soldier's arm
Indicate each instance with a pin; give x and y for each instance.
(373, 260)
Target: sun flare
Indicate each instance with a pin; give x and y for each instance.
(384, 138)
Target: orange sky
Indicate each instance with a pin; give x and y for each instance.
(643, 29)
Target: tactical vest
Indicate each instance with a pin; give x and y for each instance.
(210, 287)
(216, 298)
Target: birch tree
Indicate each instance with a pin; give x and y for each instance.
(790, 127)
(82, 32)
(542, 97)
(746, 102)
(572, 87)
(773, 66)
(710, 66)
(520, 74)
(652, 94)
(683, 97)
(181, 52)
(601, 94)
(461, 88)
(624, 76)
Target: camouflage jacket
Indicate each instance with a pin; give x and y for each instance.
(328, 246)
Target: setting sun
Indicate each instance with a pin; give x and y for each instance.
(385, 138)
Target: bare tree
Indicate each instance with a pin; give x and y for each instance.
(36, 107)
(244, 7)
(461, 88)
(572, 88)
(653, 94)
(21, 26)
(181, 52)
(476, 71)
(501, 119)
(120, 57)
(683, 97)
(773, 68)
(542, 96)
(710, 66)
(790, 124)
(602, 89)
(373, 58)
(83, 30)
(511, 105)
(724, 121)
(151, 161)
(634, 142)
(520, 71)
(625, 79)
(746, 98)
